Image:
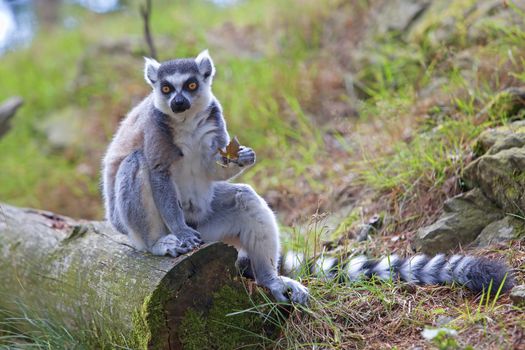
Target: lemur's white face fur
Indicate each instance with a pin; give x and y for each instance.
(181, 87)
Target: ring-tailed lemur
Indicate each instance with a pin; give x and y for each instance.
(165, 184)
(476, 273)
(164, 188)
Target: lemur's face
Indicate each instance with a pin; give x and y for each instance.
(181, 85)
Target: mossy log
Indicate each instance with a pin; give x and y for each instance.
(84, 275)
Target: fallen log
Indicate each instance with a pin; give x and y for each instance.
(85, 275)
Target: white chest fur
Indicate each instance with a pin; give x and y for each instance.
(194, 138)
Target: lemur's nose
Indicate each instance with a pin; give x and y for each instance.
(179, 104)
(179, 100)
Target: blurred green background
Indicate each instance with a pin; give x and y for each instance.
(82, 71)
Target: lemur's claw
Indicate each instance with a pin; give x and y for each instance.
(189, 238)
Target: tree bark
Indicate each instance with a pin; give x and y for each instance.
(85, 275)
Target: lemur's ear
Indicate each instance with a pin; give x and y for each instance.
(151, 68)
(205, 64)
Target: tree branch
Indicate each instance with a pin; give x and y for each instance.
(145, 12)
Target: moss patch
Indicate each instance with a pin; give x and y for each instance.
(194, 334)
(141, 331)
(232, 322)
(149, 319)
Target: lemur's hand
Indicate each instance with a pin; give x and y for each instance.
(246, 156)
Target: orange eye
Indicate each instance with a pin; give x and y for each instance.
(192, 86)
(166, 89)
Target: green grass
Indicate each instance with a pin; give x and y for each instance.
(61, 69)
(21, 328)
(426, 160)
(42, 83)
(440, 133)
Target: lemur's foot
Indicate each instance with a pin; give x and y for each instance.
(175, 246)
(189, 238)
(286, 289)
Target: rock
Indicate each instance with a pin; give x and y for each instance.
(449, 21)
(464, 217)
(397, 15)
(388, 19)
(64, 129)
(438, 23)
(517, 295)
(501, 177)
(509, 141)
(497, 180)
(500, 170)
(490, 14)
(494, 140)
(502, 230)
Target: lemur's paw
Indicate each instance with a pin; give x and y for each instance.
(175, 246)
(168, 245)
(246, 156)
(189, 238)
(286, 289)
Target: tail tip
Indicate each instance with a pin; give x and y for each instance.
(490, 276)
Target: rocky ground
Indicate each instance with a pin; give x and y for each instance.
(441, 172)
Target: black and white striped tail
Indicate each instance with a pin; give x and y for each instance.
(475, 273)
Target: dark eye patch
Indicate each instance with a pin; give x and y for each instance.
(192, 84)
(166, 88)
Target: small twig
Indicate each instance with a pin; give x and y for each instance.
(145, 12)
(7, 111)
